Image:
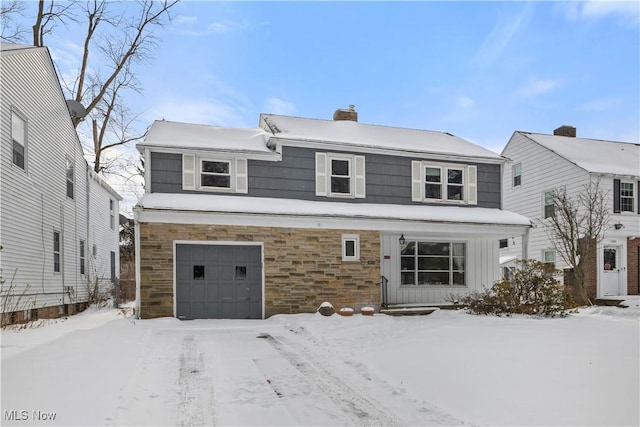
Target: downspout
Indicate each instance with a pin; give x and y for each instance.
(86, 239)
(136, 240)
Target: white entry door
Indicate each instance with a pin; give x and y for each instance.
(611, 267)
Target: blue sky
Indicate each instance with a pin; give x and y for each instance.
(478, 70)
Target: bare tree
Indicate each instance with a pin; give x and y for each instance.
(576, 228)
(48, 16)
(10, 30)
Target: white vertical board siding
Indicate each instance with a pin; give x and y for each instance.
(100, 233)
(542, 170)
(33, 203)
(482, 271)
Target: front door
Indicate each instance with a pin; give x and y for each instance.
(610, 271)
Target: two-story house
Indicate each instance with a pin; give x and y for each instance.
(540, 164)
(248, 223)
(59, 231)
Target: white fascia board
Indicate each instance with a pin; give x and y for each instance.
(434, 228)
(253, 155)
(357, 148)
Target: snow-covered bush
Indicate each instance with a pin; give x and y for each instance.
(531, 290)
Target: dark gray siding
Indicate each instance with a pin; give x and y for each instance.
(388, 178)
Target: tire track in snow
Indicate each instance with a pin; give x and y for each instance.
(362, 409)
(195, 390)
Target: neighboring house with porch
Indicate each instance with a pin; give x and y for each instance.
(248, 223)
(58, 218)
(540, 164)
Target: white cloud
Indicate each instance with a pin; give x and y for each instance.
(501, 34)
(538, 87)
(599, 104)
(626, 12)
(279, 106)
(212, 112)
(464, 101)
(182, 19)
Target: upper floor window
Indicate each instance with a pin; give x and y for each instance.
(517, 175)
(214, 174)
(19, 138)
(340, 175)
(440, 182)
(112, 214)
(503, 243)
(549, 209)
(56, 251)
(624, 196)
(70, 178)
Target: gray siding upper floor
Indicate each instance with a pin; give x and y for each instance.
(388, 178)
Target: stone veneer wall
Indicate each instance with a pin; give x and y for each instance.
(633, 269)
(303, 267)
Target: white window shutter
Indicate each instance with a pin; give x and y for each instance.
(242, 177)
(360, 191)
(416, 181)
(472, 185)
(321, 174)
(188, 172)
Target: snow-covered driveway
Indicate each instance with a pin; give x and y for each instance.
(448, 368)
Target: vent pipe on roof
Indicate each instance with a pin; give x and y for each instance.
(565, 130)
(350, 114)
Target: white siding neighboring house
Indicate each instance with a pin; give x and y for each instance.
(545, 163)
(53, 208)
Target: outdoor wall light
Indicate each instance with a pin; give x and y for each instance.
(402, 240)
(618, 226)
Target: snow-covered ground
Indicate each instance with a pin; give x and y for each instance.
(447, 368)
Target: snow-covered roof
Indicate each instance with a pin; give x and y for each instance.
(270, 206)
(167, 134)
(4, 46)
(374, 136)
(593, 155)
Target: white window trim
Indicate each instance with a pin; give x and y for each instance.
(451, 270)
(57, 252)
(469, 182)
(82, 248)
(513, 175)
(25, 139)
(357, 184)
(351, 238)
(634, 202)
(192, 174)
(544, 203)
(70, 163)
(112, 214)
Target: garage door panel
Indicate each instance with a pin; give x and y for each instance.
(218, 281)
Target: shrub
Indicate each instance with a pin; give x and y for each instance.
(531, 290)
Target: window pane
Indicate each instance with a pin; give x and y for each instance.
(549, 256)
(349, 248)
(454, 192)
(56, 262)
(340, 185)
(454, 176)
(56, 242)
(433, 191)
(407, 278)
(626, 189)
(215, 181)
(458, 263)
(407, 263)
(458, 278)
(409, 248)
(433, 263)
(433, 248)
(432, 175)
(241, 272)
(215, 167)
(198, 272)
(609, 259)
(340, 167)
(457, 249)
(18, 154)
(434, 278)
(70, 189)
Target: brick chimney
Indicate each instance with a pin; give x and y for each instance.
(565, 130)
(350, 114)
